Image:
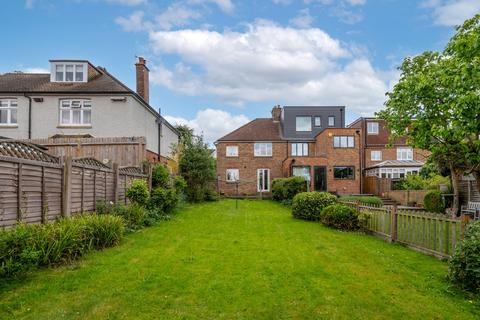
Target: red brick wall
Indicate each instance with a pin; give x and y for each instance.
(324, 154)
(391, 154)
(248, 165)
(321, 153)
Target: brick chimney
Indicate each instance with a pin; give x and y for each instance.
(142, 78)
(276, 113)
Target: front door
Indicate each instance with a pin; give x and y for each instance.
(320, 179)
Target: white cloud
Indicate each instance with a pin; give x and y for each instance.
(176, 15)
(356, 2)
(36, 70)
(452, 12)
(303, 19)
(225, 5)
(134, 22)
(128, 2)
(212, 123)
(261, 65)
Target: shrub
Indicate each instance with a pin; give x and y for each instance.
(160, 176)
(135, 216)
(163, 199)
(179, 184)
(287, 188)
(27, 247)
(138, 192)
(309, 205)
(105, 207)
(339, 216)
(367, 200)
(464, 267)
(211, 195)
(411, 182)
(433, 202)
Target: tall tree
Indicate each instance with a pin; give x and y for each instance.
(436, 103)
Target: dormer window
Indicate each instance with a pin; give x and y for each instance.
(69, 72)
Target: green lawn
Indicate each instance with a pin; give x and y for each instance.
(213, 261)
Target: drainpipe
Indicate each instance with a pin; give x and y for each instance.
(360, 154)
(159, 137)
(29, 115)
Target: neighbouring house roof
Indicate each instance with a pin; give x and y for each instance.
(260, 129)
(397, 163)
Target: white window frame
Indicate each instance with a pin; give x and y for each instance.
(376, 155)
(53, 73)
(304, 172)
(82, 110)
(372, 127)
(344, 142)
(319, 123)
(299, 146)
(262, 149)
(309, 129)
(236, 175)
(404, 154)
(331, 121)
(231, 151)
(265, 182)
(11, 107)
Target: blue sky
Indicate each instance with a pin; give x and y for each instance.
(215, 64)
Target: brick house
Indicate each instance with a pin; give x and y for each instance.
(301, 141)
(382, 161)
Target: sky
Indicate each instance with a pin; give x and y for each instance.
(217, 64)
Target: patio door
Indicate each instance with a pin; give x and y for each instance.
(320, 178)
(263, 180)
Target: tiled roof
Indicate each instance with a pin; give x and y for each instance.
(398, 163)
(19, 82)
(261, 129)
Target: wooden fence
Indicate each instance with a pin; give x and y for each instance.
(434, 234)
(125, 151)
(36, 187)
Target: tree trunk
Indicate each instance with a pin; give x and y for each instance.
(456, 189)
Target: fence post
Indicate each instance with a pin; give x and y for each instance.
(115, 182)
(357, 206)
(66, 188)
(19, 193)
(394, 223)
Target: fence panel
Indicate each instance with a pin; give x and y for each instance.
(434, 234)
(42, 188)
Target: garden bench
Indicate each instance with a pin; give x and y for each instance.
(472, 208)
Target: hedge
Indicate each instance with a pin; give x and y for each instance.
(367, 200)
(286, 188)
(340, 217)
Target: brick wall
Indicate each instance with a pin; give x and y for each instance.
(391, 154)
(321, 153)
(247, 165)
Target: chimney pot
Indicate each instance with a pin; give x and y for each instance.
(142, 73)
(276, 113)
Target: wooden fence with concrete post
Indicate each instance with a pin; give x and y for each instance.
(36, 187)
(434, 234)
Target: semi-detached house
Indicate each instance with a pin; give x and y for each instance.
(79, 99)
(312, 142)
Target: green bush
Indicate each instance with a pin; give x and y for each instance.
(211, 195)
(160, 176)
(287, 188)
(179, 184)
(366, 200)
(138, 192)
(464, 267)
(163, 199)
(340, 217)
(433, 202)
(26, 247)
(309, 205)
(134, 215)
